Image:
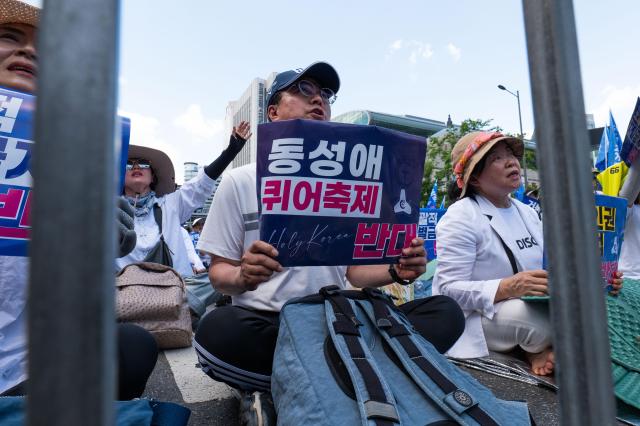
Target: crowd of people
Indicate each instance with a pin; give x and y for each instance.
(490, 249)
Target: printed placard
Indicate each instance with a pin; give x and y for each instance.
(16, 144)
(429, 218)
(611, 214)
(337, 194)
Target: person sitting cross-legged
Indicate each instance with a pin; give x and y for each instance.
(235, 344)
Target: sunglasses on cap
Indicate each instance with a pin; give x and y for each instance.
(140, 162)
(310, 89)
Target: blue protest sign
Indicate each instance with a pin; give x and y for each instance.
(631, 144)
(429, 218)
(611, 213)
(337, 194)
(16, 141)
(533, 203)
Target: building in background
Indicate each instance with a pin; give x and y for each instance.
(251, 107)
(190, 171)
(405, 123)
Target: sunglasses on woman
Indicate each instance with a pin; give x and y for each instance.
(140, 162)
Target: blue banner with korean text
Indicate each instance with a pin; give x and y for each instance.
(337, 194)
(611, 214)
(533, 203)
(16, 143)
(429, 218)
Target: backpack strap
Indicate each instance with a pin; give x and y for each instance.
(376, 403)
(398, 336)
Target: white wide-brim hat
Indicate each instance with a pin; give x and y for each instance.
(160, 164)
(20, 12)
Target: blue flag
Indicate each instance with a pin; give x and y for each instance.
(442, 203)
(519, 193)
(433, 198)
(613, 153)
(614, 134)
(601, 159)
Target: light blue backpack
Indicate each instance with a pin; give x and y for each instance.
(349, 358)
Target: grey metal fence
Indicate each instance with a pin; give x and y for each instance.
(71, 316)
(71, 324)
(581, 342)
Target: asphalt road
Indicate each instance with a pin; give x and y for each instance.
(177, 379)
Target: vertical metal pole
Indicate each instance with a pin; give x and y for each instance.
(524, 162)
(577, 304)
(71, 319)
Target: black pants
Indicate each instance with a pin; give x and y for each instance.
(236, 345)
(137, 356)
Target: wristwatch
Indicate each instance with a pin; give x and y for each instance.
(396, 278)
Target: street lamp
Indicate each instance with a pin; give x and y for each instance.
(524, 154)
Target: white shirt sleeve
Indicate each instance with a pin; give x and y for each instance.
(224, 230)
(191, 196)
(457, 241)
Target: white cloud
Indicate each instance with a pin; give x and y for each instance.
(620, 101)
(195, 123)
(454, 51)
(417, 50)
(396, 45)
(190, 138)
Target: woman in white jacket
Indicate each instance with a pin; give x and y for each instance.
(149, 181)
(490, 250)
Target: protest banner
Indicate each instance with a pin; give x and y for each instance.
(631, 144)
(337, 194)
(533, 203)
(611, 214)
(16, 142)
(429, 218)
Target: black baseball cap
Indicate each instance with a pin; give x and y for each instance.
(322, 72)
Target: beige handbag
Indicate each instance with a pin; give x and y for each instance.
(153, 296)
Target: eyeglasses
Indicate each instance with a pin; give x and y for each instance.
(310, 89)
(140, 162)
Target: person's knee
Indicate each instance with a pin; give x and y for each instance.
(146, 347)
(450, 310)
(438, 319)
(137, 356)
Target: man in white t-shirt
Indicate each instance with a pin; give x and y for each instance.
(235, 344)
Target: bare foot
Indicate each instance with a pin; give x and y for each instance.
(542, 363)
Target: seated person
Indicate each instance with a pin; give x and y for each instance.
(235, 344)
(490, 249)
(137, 352)
(630, 190)
(150, 182)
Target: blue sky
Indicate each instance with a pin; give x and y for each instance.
(181, 63)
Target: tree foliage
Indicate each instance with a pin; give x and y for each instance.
(437, 165)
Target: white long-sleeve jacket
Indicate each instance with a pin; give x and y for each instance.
(472, 261)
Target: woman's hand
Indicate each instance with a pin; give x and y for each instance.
(527, 283)
(616, 283)
(242, 132)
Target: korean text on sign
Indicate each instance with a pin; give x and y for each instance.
(328, 191)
